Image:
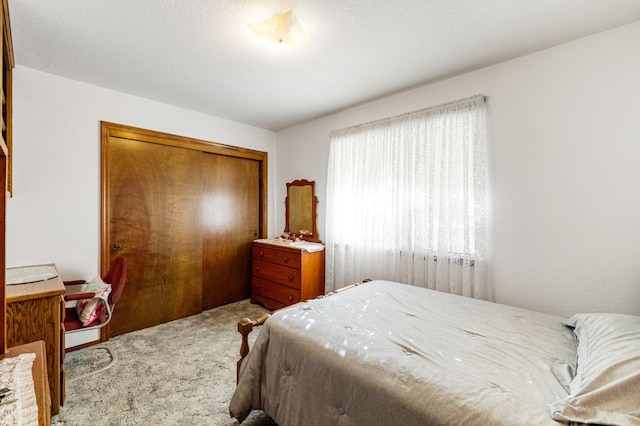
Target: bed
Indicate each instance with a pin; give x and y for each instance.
(388, 353)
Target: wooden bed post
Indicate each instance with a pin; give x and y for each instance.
(245, 326)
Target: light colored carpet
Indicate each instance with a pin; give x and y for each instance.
(178, 373)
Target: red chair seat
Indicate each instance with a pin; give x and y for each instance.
(71, 320)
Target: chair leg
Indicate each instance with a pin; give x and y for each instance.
(114, 359)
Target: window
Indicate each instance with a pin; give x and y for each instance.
(406, 199)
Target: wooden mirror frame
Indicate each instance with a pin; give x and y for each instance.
(313, 236)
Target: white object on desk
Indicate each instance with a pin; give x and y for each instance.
(30, 274)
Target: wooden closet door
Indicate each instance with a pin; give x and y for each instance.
(154, 214)
(231, 220)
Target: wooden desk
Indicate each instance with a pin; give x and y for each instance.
(35, 311)
(40, 382)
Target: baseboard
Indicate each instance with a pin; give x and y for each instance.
(82, 346)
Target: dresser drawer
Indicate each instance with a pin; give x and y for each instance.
(276, 273)
(280, 257)
(279, 293)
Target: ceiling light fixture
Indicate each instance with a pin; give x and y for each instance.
(280, 30)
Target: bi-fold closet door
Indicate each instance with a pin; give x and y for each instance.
(184, 213)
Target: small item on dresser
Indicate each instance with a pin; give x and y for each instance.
(282, 240)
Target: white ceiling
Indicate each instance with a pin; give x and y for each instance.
(200, 55)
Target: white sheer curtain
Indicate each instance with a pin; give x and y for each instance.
(406, 200)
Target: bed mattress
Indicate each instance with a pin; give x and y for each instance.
(388, 353)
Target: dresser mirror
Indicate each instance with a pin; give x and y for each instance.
(301, 215)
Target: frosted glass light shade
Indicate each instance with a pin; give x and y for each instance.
(280, 30)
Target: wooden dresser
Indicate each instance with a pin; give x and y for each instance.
(35, 311)
(284, 275)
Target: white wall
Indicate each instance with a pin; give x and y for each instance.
(565, 170)
(54, 215)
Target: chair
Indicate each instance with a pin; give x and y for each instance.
(116, 277)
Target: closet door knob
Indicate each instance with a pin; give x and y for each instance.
(116, 246)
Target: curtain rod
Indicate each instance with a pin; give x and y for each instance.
(408, 114)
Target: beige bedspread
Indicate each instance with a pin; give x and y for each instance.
(387, 353)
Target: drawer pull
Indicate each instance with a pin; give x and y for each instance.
(290, 277)
(290, 298)
(261, 253)
(257, 285)
(286, 259)
(257, 268)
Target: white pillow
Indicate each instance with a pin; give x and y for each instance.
(90, 309)
(606, 388)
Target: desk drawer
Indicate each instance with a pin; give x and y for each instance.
(279, 293)
(281, 257)
(276, 273)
